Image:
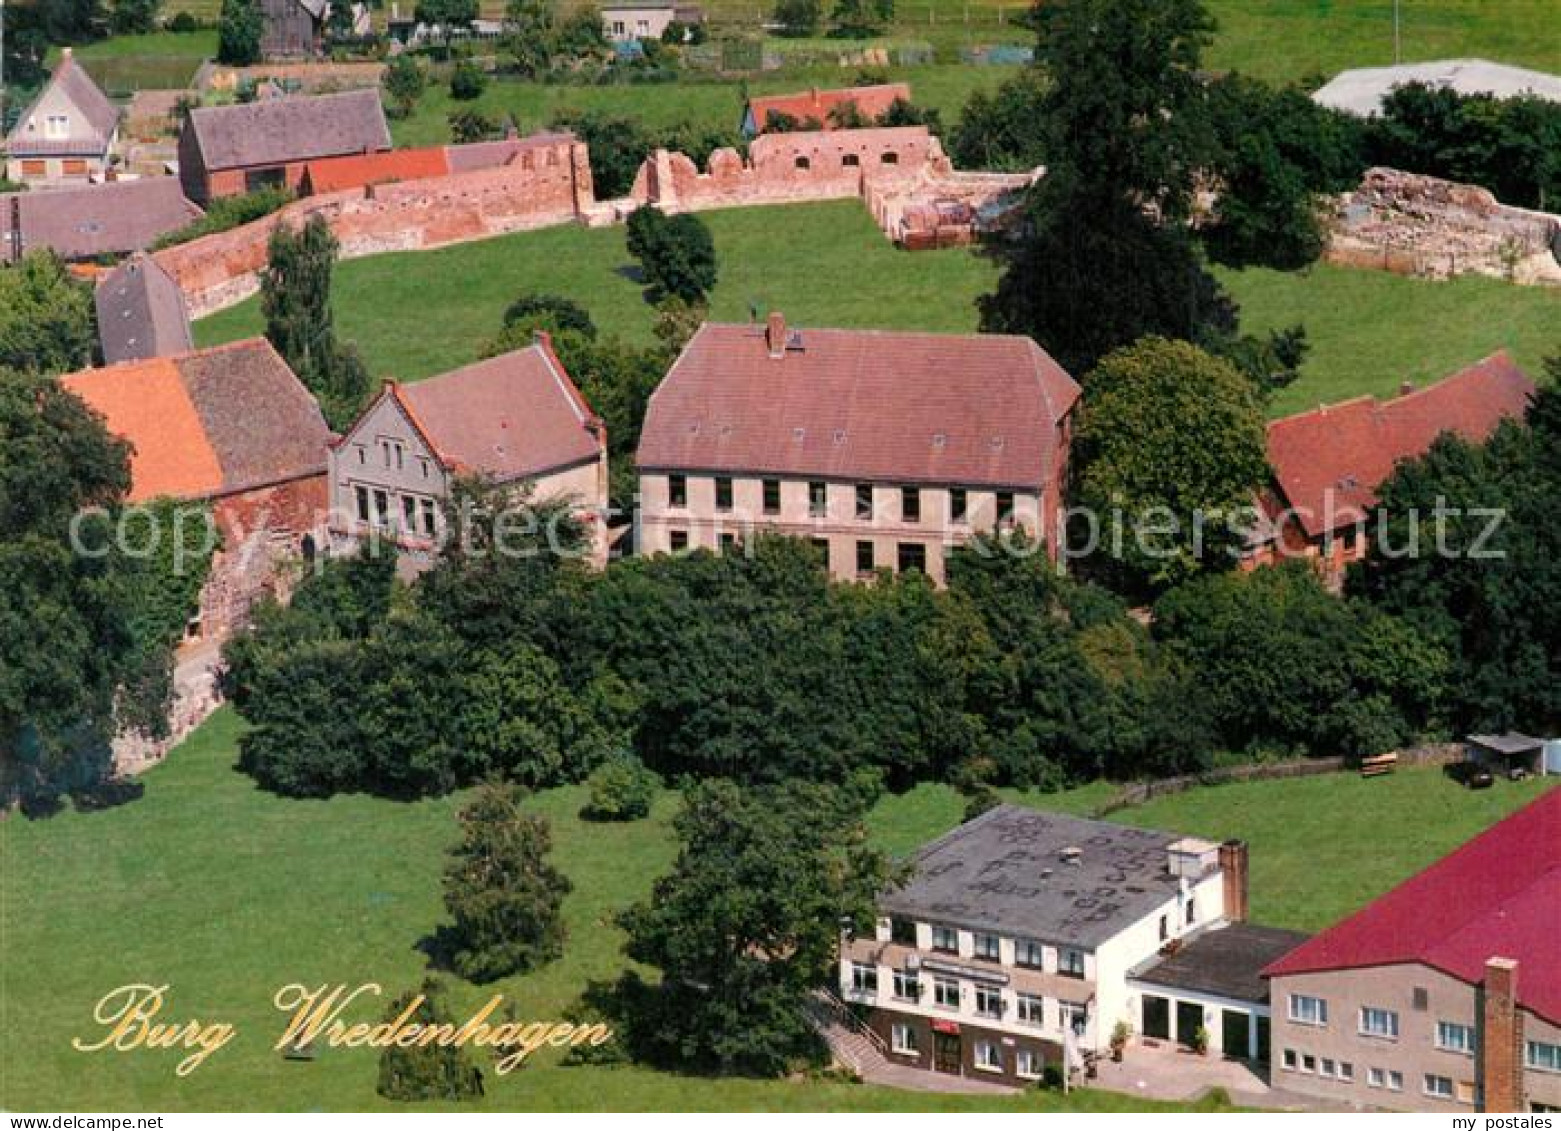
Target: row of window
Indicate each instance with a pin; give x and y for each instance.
(907, 555)
(948, 993)
(989, 947)
(987, 1055)
(1388, 1079)
(818, 499)
(417, 514)
(1383, 1024)
(392, 454)
(849, 160)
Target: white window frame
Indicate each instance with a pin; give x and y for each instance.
(1465, 1043)
(988, 1048)
(907, 986)
(939, 988)
(1395, 1080)
(984, 941)
(1319, 1014)
(1375, 1078)
(1066, 963)
(1028, 952)
(1389, 1032)
(902, 1039)
(1552, 1054)
(1435, 1093)
(864, 978)
(1030, 1009)
(1029, 1064)
(1290, 1060)
(1074, 1014)
(986, 995)
(952, 947)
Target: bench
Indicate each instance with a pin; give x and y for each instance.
(1378, 764)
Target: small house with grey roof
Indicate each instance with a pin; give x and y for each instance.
(1015, 935)
(141, 313)
(67, 133)
(229, 150)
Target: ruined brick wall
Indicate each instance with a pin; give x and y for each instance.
(546, 184)
(791, 168)
(1412, 224)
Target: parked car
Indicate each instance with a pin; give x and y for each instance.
(1470, 775)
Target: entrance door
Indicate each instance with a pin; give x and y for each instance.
(1235, 1032)
(1189, 1019)
(1262, 1040)
(1157, 1017)
(946, 1053)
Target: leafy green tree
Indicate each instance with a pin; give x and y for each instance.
(47, 323)
(467, 81)
(405, 81)
(500, 889)
(530, 35)
(618, 147)
(582, 32)
(295, 300)
(746, 925)
(133, 17)
(468, 125)
(419, 1072)
(448, 16)
(239, 28)
(1104, 258)
(622, 789)
(1173, 440)
(861, 18)
(553, 313)
(1004, 128)
(799, 17)
(676, 253)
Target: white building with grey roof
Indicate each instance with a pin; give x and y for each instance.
(1020, 928)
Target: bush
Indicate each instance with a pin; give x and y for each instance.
(622, 789)
(676, 253)
(228, 212)
(467, 126)
(432, 1071)
(467, 81)
(183, 24)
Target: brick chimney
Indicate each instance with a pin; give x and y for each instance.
(775, 334)
(1501, 1039)
(1233, 866)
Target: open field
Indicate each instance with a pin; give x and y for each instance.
(420, 313)
(125, 63)
(225, 893)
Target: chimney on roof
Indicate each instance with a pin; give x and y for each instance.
(775, 334)
(1405, 388)
(1233, 871)
(1501, 1039)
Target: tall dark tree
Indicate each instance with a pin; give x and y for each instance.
(295, 300)
(47, 323)
(676, 253)
(239, 28)
(1104, 258)
(501, 890)
(746, 925)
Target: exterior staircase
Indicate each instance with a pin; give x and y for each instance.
(856, 1047)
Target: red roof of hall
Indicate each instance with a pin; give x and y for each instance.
(816, 104)
(336, 174)
(1330, 461)
(511, 416)
(977, 409)
(1499, 896)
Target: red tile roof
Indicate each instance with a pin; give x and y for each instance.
(1499, 896)
(335, 174)
(511, 417)
(210, 422)
(1330, 461)
(861, 404)
(816, 104)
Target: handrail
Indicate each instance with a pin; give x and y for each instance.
(841, 1012)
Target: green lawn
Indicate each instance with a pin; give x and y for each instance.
(125, 63)
(224, 892)
(419, 313)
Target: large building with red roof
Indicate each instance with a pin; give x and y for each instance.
(1328, 462)
(513, 419)
(885, 448)
(1444, 994)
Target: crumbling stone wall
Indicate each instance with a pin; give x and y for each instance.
(546, 184)
(1412, 224)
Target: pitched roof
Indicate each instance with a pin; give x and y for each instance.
(210, 422)
(1227, 961)
(816, 104)
(1330, 461)
(106, 219)
(334, 174)
(492, 154)
(881, 405)
(1005, 871)
(99, 113)
(1499, 896)
(511, 417)
(281, 130)
(141, 313)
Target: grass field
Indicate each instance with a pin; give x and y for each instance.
(420, 313)
(225, 893)
(125, 63)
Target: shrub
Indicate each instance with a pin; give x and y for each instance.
(467, 81)
(228, 212)
(622, 789)
(467, 126)
(427, 1071)
(183, 24)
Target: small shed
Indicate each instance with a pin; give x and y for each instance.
(1508, 753)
